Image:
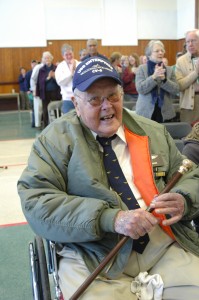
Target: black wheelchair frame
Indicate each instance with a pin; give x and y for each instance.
(43, 262)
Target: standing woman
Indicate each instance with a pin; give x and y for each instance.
(128, 79)
(134, 62)
(64, 76)
(115, 60)
(156, 84)
(47, 88)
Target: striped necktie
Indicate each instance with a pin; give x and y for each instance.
(120, 185)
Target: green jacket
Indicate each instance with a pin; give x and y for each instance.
(66, 197)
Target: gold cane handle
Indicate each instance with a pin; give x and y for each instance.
(184, 168)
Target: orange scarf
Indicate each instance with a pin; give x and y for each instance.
(143, 172)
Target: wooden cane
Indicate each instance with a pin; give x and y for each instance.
(185, 167)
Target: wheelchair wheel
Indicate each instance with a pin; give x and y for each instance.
(39, 273)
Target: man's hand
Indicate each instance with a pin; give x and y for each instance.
(135, 223)
(171, 204)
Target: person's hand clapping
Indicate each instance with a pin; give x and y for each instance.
(159, 72)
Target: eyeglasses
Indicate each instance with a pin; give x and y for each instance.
(191, 42)
(97, 101)
(160, 50)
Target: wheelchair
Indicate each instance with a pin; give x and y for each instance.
(43, 264)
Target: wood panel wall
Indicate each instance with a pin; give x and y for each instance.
(11, 59)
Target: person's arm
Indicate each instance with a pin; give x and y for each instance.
(50, 209)
(185, 75)
(27, 82)
(21, 79)
(144, 84)
(34, 76)
(63, 75)
(127, 76)
(170, 84)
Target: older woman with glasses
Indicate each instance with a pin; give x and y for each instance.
(155, 84)
(47, 88)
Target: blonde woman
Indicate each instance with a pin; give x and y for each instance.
(47, 88)
(134, 62)
(115, 60)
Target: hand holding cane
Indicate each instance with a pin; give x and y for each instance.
(185, 167)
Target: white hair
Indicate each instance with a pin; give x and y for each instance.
(149, 47)
(195, 31)
(47, 53)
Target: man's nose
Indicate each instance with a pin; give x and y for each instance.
(106, 102)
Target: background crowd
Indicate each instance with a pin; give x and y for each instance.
(151, 86)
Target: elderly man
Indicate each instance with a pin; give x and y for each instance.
(90, 178)
(187, 75)
(92, 49)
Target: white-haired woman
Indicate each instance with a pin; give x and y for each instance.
(155, 84)
(47, 88)
(64, 76)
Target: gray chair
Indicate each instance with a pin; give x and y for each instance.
(179, 144)
(178, 130)
(128, 104)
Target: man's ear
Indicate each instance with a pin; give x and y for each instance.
(75, 102)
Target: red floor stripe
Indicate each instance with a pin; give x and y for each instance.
(14, 224)
(16, 165)
(20, 139)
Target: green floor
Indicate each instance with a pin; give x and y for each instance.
(15, 283)
(16, 125)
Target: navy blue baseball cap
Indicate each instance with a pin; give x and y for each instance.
(92, 69)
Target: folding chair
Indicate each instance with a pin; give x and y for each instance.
(54, 110)
(178, 130)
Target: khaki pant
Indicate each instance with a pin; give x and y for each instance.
(188, 115)
(179, 270)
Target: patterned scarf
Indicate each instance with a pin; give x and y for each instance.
(157, 93)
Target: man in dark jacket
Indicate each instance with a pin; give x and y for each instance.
(92, 49)
(28, 89)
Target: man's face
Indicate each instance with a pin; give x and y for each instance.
(106, 118)
(92, 48)
(192, 43)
